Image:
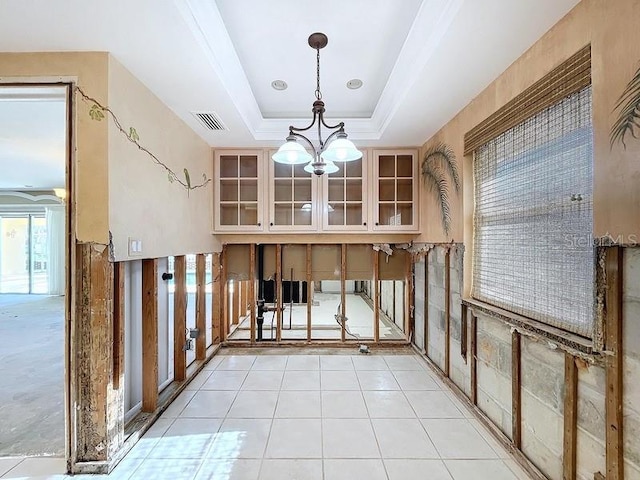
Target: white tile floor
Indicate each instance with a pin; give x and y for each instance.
(308, 417)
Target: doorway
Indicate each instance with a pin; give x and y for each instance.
(34, 161)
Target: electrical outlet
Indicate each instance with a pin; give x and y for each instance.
(194, 333)
(188, 345)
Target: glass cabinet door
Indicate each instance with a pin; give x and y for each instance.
(345, 197)
(239, 191)
(396, 190)
(292, 198)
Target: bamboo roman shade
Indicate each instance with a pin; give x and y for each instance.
(570, 77)
(533, 251)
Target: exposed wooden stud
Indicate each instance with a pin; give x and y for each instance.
(244, 295)
(251, 297)
(343, 296)
(408, 298)
(216, 299)
(179, 318)
(447, 308)
(97, 420)
(376, 296)
(278, 288)
(235, 302)
(426, 303)
(474, 358)
(570, 418)
(614, 367)
(464, 334)
(149, 334)
(516, 406)
(224, 329)
(309, 292)
(118, 323)
(201, 306)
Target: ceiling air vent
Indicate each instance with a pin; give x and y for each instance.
(210, 121)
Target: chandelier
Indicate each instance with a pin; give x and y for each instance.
(336, 148)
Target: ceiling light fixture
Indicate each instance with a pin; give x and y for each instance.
(336, 148)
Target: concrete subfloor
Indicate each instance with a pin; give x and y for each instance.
(31, 375)
(323, 322)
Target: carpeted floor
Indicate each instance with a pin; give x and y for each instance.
(31, 375)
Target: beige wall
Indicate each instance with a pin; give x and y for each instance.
(612, 29)
(143, 204)
(89, 69)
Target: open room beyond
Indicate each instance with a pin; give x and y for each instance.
(248, 240)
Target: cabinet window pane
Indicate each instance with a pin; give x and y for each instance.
(405, 166)
(353, 168)
(336, 217)
(229, 214)
(282, 170)
(302, 190)
(405, 190)
(248, 214)
(249, 190)
(386, 213)
(354, 190)
(301, 216)
(387, 190)
(298, 171)
(282, 190)
(228, 190)
(354, 214)
(336, 190)
(249, 166)
(405, 214)
(387, 166)
(283, 214)
(228, 166)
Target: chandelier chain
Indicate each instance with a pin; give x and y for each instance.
(318, 92)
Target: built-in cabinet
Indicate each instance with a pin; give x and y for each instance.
(376, 193)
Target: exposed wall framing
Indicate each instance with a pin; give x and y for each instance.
(149, 335)
(179, 317)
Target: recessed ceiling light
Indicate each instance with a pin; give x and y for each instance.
(279, 85)
(354, 84)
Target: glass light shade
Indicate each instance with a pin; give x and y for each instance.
(306, 207)
(291, 153)
(341, 150)
(329, 167)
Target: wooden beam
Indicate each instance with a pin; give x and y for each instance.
(343, 296)
(464, 334)
(426, 303)
(570, 418)
(447, 313)
(251, 297)
(216, 298)
(376, 296)
(224, 324)
(235, 302)
(97, 420)
(516, 408)
(118, 323)
(179, 318)
(613, 367)
(201, 307)
(309, 292)
(474, 359)
(149, 335)
(278, 288)
(408, 299)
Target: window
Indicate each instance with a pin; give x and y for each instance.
(533, 253)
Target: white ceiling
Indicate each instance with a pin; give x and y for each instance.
(32, 138)
(421, 61)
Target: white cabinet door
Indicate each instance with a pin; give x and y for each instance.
(395, 190)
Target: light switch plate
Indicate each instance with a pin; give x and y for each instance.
(135, 247)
